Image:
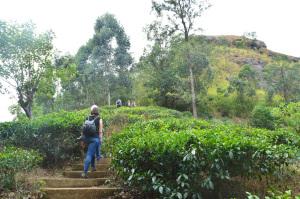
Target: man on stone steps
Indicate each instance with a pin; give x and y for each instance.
(92, 136)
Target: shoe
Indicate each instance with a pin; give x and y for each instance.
(93, 169)
(98, 158)
(81, 138)
(84, 175)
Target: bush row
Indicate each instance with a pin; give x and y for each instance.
(180, 158)
(13, 160)
(54, 135)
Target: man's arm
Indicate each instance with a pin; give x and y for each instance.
(100, 129)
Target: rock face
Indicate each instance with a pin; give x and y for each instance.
(238, 41)
(256, 44)
(257, 64)
(243, 42)
(276, 54)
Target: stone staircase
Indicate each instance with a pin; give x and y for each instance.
(72, 186)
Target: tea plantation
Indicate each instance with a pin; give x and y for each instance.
(160, 152)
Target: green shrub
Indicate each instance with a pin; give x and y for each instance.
(224, 106)
(54, 135)
(13, 160)
(261, 117)
(179, 158)
(243, 108)
(275, 195)
(231, 106)
(288, 116)
(240, 43)
(125, 116)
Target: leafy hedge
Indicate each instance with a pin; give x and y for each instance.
(54, 135)
(288, 116)
(13, 160)
(177, 158)
(162, 151)
(275, 195)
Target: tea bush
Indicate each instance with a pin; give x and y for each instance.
(274, 195)
(161, 150)
(125, 116)
(13, 160)
(54, 135)
(177, 158)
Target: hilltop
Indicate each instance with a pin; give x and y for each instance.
(230, 53)
(241, 41)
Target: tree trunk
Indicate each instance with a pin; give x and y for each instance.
(186, 36)
(28, 111)
(284, 86)
(26, 104)
(193, 93)
(108, 97)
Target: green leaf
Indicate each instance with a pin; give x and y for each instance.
(179, 195)
(161, 189)
(185, 176)
(230, 155)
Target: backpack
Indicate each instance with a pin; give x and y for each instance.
(119, 102)
(89, 128)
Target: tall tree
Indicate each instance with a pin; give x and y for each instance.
(244, 84)
(159, 77)
(164, 73)
(55, 84)
(181, 16)
(24, 59)
(283, 78)
(104, 62)
(193, 62)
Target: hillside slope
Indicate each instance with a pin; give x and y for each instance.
(230, 52)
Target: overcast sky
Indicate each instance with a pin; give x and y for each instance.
(276, 22)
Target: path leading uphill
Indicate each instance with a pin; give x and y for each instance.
(72, 186)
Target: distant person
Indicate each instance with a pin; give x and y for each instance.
(133, 104)
(128, 103)
(118, 103)
(92, 134)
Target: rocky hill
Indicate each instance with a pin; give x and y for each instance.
(230, 52)
(254, 44)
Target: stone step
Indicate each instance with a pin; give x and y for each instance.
(101, 161)
(77, 174)
(100, 167)
(72, 182)
(80, 193)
